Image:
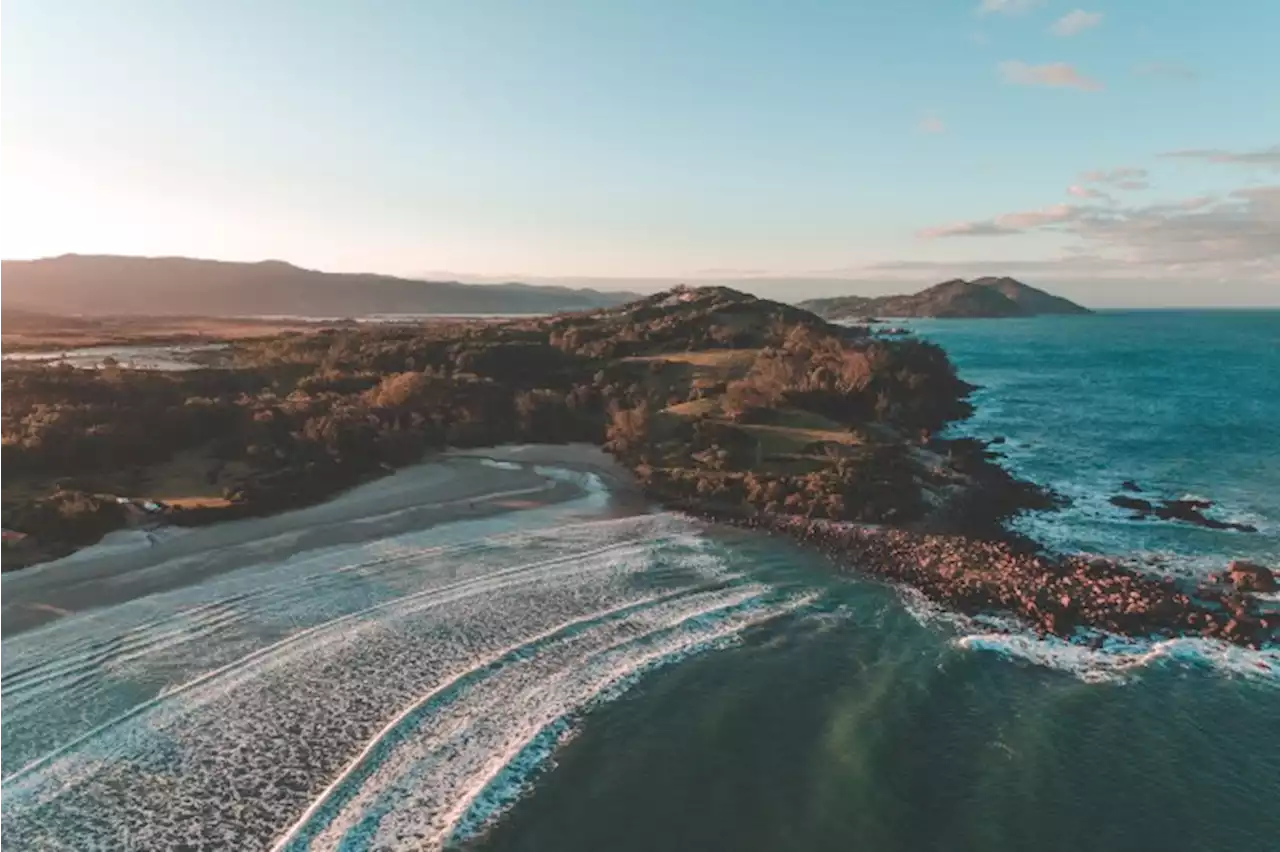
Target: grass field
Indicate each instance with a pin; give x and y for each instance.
(25, 331)
(785, 440)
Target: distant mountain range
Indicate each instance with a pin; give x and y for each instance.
(982, 297)
(99, 285)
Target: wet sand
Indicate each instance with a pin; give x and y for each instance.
(452, 486)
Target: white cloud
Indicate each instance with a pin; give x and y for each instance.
(1074, 22)
(1264, 157)
(1006, 7)
(1054, 74)
(932, 124)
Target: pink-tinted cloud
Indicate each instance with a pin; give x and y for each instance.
(1009, 223)
(1087, 192)
(1074, 22)
(1236, 234)
(1057, 75)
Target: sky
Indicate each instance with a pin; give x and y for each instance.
(1120, 152)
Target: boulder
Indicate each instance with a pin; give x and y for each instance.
(1189, 511)
(1251, 577)
(1137, 504)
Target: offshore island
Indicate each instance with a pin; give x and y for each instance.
(990, 298)
(737, 409)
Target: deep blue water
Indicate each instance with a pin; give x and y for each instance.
(1180, 402)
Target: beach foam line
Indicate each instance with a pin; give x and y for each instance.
(402, 793)
(1114, 661)
(139, 633)
(1119, 657)
(462, 588)
(120, 652)
(496, 794)
(345, 785)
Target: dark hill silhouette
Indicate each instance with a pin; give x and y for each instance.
(982, 297)
(109, 284)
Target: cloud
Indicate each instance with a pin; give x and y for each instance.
(1087, 192)
(1009, 223)
(1074, 22)
(1166, 71)
(932, 124)
(1125, 178)
(1006, 7)
(1264, 157)
(1054, 74)
(1237, 234)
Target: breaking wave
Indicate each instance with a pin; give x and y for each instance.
(1092, 656)
(398, 693)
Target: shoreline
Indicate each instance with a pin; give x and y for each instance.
(1048, 593)
(452, 486)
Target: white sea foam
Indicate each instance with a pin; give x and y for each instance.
(1120, 659)
(402, 689)
(1092, 656)
(499, 464)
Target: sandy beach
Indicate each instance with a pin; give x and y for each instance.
(452, 486)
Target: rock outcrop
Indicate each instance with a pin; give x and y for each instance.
(1187, 510)
(1052, 594)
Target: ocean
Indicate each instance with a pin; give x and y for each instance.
(1181, 403)
(883, 724)
(569, 677)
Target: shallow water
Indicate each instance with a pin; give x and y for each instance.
(164, 357)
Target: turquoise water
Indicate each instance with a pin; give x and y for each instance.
(1180, 402)
(565, 678)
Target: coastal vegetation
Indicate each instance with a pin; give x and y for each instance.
(707, 393)
(722, 404)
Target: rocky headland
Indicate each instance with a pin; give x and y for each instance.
(726, 406)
